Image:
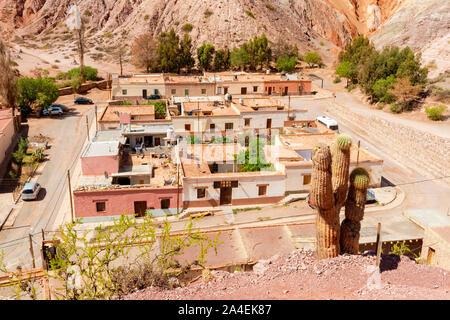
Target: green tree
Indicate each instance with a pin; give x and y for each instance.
(35, 94)
(89, 72)
(239, 57)
(254, 158)
(347, 70)
(381, 89)
(205, 55)
(168, 51)
(160, 110)
(222, 60)
(286, 63)
(186, 60)
(312, 59)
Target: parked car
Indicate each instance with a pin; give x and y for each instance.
(31, 191)
(153, 97)
(53, 111)
(63, 108)
(83, 100)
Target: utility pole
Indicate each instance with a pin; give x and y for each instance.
(70, 196)
(357, 156)
(379, 242)
(87, 128)
(178, 177)
(31, 247)
(96, 120)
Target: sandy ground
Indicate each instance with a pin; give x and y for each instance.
(299, 275)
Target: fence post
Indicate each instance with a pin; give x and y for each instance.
(31, 248)
(379, 242)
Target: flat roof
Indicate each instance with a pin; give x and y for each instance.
(102, 149)
(212, 152)
(111, 113)
(195, 99)
(108, 136)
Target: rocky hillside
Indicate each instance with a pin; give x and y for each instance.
(423, 26)
(300, 276)
(323, 25)
(223, 22)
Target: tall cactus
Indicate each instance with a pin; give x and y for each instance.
(340, 153)
(330, 185)
(354, 211)
(327, 222)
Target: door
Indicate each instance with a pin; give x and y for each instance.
(148, 142)
(244, 90)
(225, 90)
(285, 91)
(225, 195)
(270, 91)
(144, 93)
(269, 123)
(157, 141)
(140, 207)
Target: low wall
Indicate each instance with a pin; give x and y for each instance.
(103, 85)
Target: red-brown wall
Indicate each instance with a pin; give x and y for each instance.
(121, 201)
(95, 166)
(293, 86)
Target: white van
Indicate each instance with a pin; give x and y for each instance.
(329, 123)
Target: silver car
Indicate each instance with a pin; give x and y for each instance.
(31, 191)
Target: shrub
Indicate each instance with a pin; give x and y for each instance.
(396, 108)
(337, 80)
(435, 113)
(270, 6)
(321, 43)
(351, 87)
(250, 14)
(380, 106)
(187, 27)
(208, 13)
(146, 17)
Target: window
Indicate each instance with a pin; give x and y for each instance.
(174, 91)
(247, 141)
(201, 193)
(212, 126)
(187, 127)
(156, 91)
(101, 206)
(165, 203)
(124, 92)
(306, 179)
(262, 190)
(244, 90)
(228, 126)
(203, 91)
(247, 122)
(186, 92)
(255, 89)
(219, 90)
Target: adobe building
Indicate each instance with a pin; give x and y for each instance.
(116, 182)
(292, 152)
(140, 86)
(138, 124)
(137, 87)
(211, 177)
(7, 138)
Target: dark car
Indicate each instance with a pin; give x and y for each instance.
(62, 107)
(82, 100)
(153, 97)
